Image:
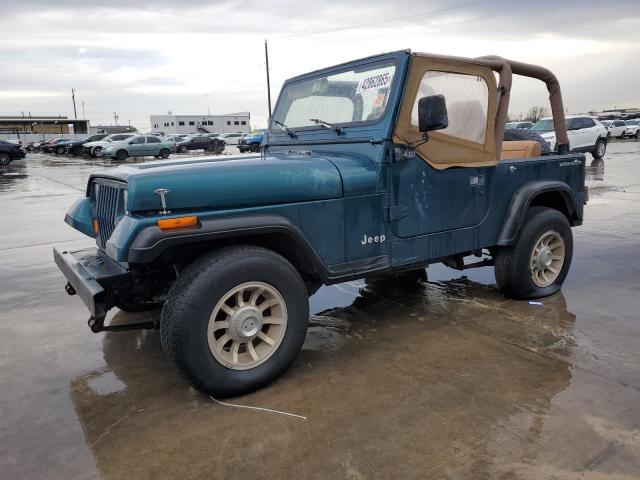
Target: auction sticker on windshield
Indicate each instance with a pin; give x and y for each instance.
(381, 79)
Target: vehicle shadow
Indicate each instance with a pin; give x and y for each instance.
(377, 377)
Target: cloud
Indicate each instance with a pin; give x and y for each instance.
(141, 57)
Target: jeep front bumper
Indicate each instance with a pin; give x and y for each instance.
(90, 273)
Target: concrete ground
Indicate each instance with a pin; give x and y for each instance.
(450, 380)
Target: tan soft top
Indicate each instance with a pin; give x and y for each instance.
(443, 151)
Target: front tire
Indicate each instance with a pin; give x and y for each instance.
(600, 148)
(183, 149)
(97, 152)
(121, 155)
(235, 320)
(60, 150)
(537, 264)
(5, 158)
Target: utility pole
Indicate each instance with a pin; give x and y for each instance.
(83, 115)
(266, 57)
(73, 98)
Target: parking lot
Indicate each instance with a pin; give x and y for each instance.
(450, 380)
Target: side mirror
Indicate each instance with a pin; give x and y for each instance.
(432, 113)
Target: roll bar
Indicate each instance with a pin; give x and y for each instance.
(505, 69)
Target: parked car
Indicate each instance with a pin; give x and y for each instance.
(586, 134)
(174, 138)
(230, 138)
(251, 142)
(75, 147)
(96, 149)
(35, 146)
(235, 249)
(632, 128)
(615, 128)
(200, 142)
(58, 145)
(139, 146)
(10, 151)
(519, 125)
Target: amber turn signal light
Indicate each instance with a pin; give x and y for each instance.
(179, 222)
(96, 227)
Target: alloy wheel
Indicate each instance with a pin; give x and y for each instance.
(247, 325)
(547, 258)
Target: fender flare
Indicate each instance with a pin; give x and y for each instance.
(522, 198)
(151, 242)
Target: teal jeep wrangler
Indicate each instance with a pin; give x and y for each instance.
(373, 168)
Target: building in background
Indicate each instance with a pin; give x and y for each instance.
(229, 123)
(46, 125)
(110, 129)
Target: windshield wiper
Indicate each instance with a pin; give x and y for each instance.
(317, 121)
(289, 132)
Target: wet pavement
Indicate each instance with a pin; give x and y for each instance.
(449, 380)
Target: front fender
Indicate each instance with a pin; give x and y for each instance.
(150, 241)
(521, 200)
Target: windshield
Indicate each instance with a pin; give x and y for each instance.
(356, 95)
(606, 123)
(546, 125)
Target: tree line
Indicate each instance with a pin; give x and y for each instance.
(534, 114)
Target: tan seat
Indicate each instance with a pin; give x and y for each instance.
(520, 149)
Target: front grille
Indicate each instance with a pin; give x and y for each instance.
(109, 208)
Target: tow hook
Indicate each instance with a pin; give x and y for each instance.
(69, 289)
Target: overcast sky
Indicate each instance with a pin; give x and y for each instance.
(139, 57)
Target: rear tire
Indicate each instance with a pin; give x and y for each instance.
(164, 153)
(203, 320)
(600, 148)
(537, 264)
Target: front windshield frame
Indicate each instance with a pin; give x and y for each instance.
(371, 65)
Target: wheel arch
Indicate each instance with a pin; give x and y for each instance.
(551, 194)
(269, 231)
